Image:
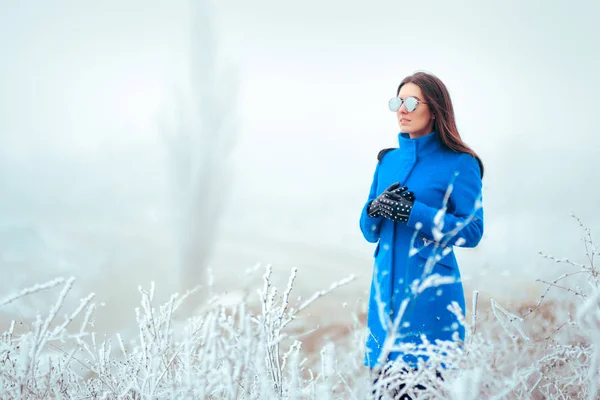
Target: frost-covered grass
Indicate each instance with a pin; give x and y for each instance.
(254, 348)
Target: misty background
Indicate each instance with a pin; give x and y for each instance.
(104, 109)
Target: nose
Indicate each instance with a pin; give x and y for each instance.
(402, 109)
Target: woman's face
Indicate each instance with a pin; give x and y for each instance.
(418, 122)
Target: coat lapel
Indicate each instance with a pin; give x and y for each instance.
(403, 163)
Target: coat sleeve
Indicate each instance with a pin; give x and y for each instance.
(467, 214)
(370, 226)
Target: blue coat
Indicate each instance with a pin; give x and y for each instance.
(427, 167)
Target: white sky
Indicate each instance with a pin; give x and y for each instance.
(83, 83)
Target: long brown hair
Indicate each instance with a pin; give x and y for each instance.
(438, 98)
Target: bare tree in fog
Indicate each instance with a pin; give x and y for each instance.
(198, 145)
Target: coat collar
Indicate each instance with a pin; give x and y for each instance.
(421, 146)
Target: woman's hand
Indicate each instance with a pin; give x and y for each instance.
(396, 204)
(388, 199)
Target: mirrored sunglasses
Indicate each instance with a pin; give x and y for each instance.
(410, 103)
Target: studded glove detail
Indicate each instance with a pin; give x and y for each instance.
(386, 202)
(397, 210)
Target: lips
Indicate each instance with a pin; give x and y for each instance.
(404, 120)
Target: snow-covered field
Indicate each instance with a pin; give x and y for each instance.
(264, 344)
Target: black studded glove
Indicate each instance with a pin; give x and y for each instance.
(392, 193)
(397, 207)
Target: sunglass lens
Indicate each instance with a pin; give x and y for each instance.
(411, 104)
(394, 104)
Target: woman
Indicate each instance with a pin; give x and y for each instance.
(408, 217)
